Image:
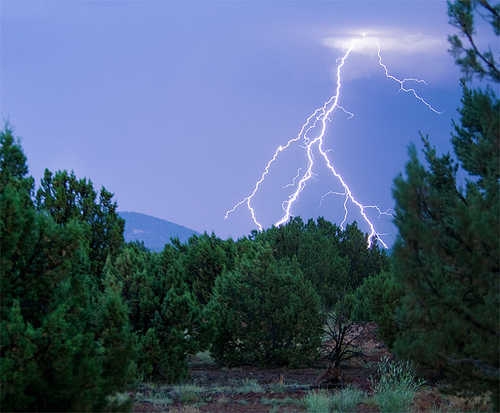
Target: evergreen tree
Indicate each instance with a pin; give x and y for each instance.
(377, 299)
(472, 61)
(265, 312)
(56, 350)
(65, 198)
(447, 253)
(335, 260)
(164, 314)
(204, 260)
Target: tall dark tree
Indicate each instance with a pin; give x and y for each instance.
(447, 254)
(17, 218)
(58, 331)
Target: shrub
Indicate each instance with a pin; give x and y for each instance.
(265, 313)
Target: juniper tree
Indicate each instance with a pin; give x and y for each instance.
(60, 334)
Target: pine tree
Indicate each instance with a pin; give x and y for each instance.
(447, 253)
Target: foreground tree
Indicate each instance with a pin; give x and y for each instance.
(447, 253)
(60, 334)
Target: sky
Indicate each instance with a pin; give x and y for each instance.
(177, 106)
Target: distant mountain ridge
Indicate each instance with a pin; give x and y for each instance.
(154, 232)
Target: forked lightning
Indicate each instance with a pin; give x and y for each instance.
(319, 119)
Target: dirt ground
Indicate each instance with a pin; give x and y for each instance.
(249, 389)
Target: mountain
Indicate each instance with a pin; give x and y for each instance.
(154, 232)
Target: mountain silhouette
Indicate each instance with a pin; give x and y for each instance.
(154, 232)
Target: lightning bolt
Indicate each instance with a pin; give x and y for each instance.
(402, 82)
(319, 118)
(292, 184)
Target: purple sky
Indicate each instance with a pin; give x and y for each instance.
(177, 106)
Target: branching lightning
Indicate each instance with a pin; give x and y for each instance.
(403, 81)
(318, 119)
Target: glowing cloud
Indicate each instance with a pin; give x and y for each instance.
(317, 122)
(391, 41)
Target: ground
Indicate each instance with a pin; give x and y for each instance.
(248, 389)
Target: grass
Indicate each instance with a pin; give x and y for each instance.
(202, 358)
(280, 402)
(155, 394)
(119, 402)
(184, 409)
(277, 387)
(249, 386)
(188, 393)
(220, 389)
(342, 401)
(394, 401)
(347, 399)
(317, 402)
(396, 387)
(223, 400)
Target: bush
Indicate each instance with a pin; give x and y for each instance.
(265, 313)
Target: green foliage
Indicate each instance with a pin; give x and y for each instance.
(471, 60)
(115, 336)
(13, 167)
(476, 140)
(347, 399)
(64, 336)
(162, 310)
(317, 402)
(377, 299)
(265, 313)
(188, 393)
(396, 386)
(205, 258)
(446, 257)
(119, 403)
(447, 260)
(336, 261)
(249, 386)
(18, 367)
(178, 326)
(65, 198)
